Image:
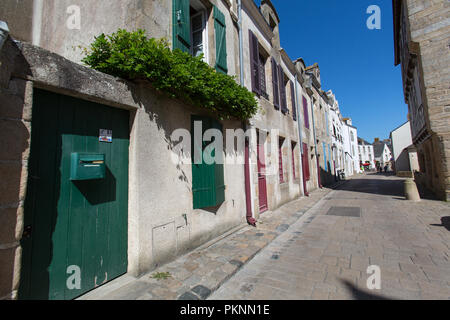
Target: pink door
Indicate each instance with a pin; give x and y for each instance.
(262, 185)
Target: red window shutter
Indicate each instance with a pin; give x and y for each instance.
(254, 63)
(276, 96)
(305, 112)
(306, 162)
(294, 106)
(282, 90)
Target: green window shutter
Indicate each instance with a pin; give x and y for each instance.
(208, 185)
(218, 172)
(221, 41)
(181, 25)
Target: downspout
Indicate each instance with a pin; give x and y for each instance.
(246, 126)
(241, 43)
(315, 145)
(300, 133)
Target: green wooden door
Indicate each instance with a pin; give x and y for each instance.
(74, 224)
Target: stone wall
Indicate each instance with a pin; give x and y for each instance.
(429, 24)
(15, 130)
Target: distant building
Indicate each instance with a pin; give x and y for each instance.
(382, 152)
(404, 152)
(422, 48)
(351, 152)
(366, 154)
(336, 129)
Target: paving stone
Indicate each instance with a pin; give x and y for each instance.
(201, 291)
(188, 296)
(282, 227)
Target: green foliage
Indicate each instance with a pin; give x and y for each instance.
(161, 275)
(131, 55)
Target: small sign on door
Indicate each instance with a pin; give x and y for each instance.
(105, 136)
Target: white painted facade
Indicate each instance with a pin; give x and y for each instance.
(366, 153)
(336, 130)
(351, 154)
(404, 153)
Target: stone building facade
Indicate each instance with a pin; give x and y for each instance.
(321, 126)
(421, 42)
(276, 173)
(336, 129)
(156, 216)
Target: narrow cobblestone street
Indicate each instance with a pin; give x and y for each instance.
(305, 251)
(326, 257)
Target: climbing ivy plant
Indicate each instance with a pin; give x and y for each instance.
(132, 55)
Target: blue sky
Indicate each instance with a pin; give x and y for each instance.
(355, 62)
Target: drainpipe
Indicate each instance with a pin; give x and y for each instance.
(315, 144)
(247, 172)
(300, 133)
(248, 182)
(241, 45)
(4, 32)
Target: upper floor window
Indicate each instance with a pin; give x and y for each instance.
(283, 82)
(190, 32)
(189, 26)
(305, 112)
(258, 59)
(262, 75)
(198, 33)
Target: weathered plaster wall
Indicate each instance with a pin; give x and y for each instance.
(401, 139)
(163, 189)
(18, 14)
(46, 25)
(45, 22)
(159, 190)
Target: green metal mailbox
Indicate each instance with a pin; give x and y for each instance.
(87, 166)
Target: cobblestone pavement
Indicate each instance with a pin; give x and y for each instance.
(325, 256)
(196, 275)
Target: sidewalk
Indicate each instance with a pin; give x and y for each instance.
(199, 273)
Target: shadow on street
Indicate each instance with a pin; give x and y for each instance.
(386, 187)
(361, 295)
(392, 188)
(445, 222)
